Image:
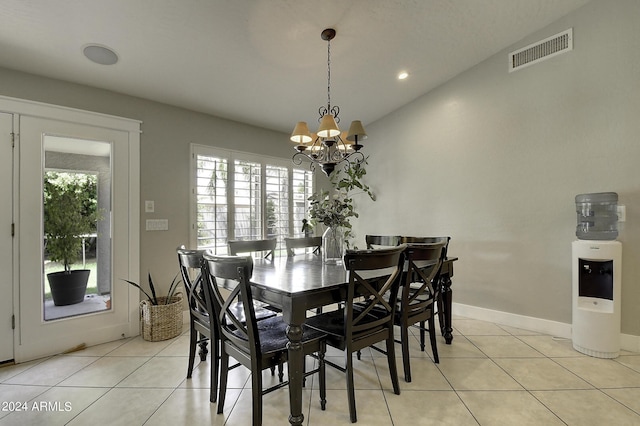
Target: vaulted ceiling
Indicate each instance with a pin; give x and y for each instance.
(263, 62)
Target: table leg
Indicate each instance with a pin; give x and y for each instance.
(295, 364)
(447, 298)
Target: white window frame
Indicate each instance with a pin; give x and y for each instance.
(231, 156)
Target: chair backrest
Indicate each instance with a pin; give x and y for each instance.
(424, 261)
(421, 240)
(190, 262)
(304, 242)
(233, 273)
(366, 317)
(250, 246)
(380, 241)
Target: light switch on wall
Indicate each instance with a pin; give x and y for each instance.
(157, 225)
(149, 206)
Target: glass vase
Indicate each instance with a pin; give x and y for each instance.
(332, 246)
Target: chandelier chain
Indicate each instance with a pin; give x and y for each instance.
(329, 75)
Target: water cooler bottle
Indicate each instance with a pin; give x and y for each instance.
(597, 266)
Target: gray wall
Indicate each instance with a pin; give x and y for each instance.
(167, 133)
(491, 158)
(495, 160)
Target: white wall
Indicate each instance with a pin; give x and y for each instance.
(495, 160)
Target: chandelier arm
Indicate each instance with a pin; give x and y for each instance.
(353, 156)
(335, 111)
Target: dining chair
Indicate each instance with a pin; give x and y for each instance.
(257, 345)
(266, 246)
(380, 241)
(303, 242)
(437, 281)
(418, 297)
(203, 327)
(374, 274)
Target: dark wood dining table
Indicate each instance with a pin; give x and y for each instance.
(299, 283)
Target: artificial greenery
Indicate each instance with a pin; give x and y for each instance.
(153, 298)
(70, 212)
(337, 210)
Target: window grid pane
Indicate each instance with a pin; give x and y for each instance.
(211, 203)
(277, 196)
(248, 205)
(302, 190)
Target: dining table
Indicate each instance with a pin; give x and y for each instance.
(296, 284)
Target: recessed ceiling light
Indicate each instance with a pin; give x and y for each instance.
(403, 75)
(100, 54)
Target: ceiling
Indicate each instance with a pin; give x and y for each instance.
(263, 62)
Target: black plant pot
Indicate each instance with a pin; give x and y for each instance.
(68, 288)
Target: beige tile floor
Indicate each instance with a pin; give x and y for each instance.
(490, 375)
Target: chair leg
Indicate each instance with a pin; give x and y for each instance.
(193, 340)
(256, 391)
(224, 372)
(215, 367)
(432, 337)
(422, 336)
(351, 394)
(440, 310)
(391, 360)
(405, 352)
(322, 376)
(203, 349)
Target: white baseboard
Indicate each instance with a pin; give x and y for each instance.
(552, 328)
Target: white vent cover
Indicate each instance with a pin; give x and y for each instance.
(541, 50)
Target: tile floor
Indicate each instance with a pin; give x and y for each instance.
(490, 375)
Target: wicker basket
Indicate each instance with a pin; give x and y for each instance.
(161, 322)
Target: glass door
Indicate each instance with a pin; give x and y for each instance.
(75, 225)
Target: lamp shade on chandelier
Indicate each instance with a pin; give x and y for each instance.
(328, 147)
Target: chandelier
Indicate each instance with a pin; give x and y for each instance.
(328, 147)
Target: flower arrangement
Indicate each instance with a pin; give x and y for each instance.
(336, 211)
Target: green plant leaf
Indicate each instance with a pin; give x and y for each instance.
(153, 301)
(153, 290)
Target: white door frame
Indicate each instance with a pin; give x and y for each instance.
(7, 257)
(24, 346)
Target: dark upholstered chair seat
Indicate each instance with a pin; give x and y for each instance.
(332, 323)
(273, 335)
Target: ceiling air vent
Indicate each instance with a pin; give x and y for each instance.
(539, 51)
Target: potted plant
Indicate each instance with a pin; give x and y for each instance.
(160, 316)
(335, 211)
(69, 214)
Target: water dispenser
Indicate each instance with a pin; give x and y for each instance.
(597, 283)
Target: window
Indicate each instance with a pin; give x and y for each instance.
(241, 196)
